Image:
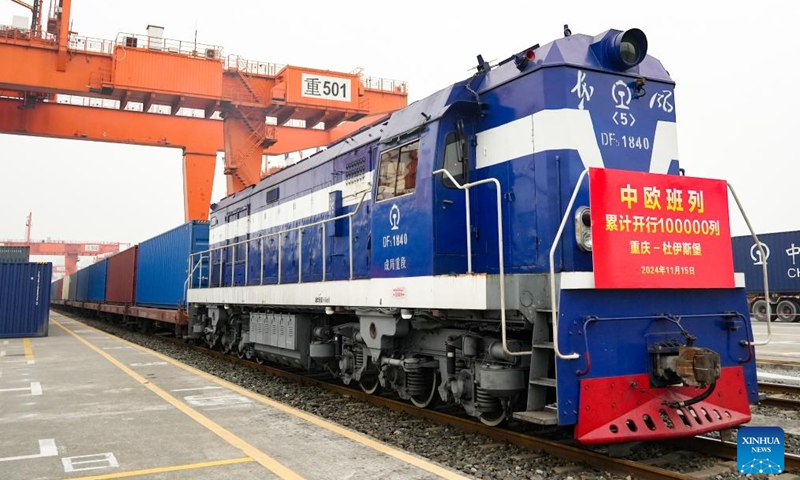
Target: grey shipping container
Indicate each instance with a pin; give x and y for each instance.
(783, 261)
(56, 288)
(24, 299)
(163, 265)
(10, 254)
(72, 294)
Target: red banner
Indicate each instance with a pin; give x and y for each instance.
(659, 231)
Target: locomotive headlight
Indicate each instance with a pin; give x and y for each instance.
(627, 49)
(583, 228)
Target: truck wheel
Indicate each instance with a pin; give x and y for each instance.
(788, 311)
(758, 310)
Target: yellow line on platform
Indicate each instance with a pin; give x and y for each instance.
(265, 460)
(406, 457)
(26, 342)
(176, 468)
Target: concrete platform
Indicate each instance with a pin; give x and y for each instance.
(785, 343)
(82, 404)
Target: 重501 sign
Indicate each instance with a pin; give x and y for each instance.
(659, 231)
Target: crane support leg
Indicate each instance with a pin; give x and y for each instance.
(71, 263)
(198, 181)
(245, 135)
(63, 34)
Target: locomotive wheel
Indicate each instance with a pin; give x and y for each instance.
(370, 382)
(430, 399)
(493, 419)
(788, 311)
(241, 352)
(227, 341)
(259, 359)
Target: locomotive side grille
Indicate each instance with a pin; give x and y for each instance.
(355, 170)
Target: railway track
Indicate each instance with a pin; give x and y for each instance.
(727, 450)
(709, 446)
(780, 395)
(778, 363)
(535, 444)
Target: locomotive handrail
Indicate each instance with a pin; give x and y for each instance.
(763, 269)
(349, 216)
(553, 307)
(466, 188)
(186, 283)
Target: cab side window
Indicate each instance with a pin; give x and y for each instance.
(397, 174)
(455, 148)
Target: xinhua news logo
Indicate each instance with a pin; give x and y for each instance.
(760, 450)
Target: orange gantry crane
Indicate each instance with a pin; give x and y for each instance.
(154, 91)
(69, 250)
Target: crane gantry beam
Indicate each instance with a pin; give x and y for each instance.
(187, 96)
(70, 250)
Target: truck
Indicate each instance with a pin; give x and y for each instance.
(781, 251)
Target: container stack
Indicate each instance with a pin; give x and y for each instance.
(10, 254)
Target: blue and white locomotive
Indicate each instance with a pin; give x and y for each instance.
(418, 256)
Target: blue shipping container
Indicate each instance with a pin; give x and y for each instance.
(163, 265)
(97, 281)
(24, 299)
(783, 261)
(82, 289)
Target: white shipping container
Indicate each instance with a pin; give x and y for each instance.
(65, 288)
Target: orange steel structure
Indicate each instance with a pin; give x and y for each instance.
(69, 250)
(162, 92)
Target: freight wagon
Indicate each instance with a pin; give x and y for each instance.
(782, 256)
(143, 285)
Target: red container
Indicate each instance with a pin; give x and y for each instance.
(121, 276)
(56, 289)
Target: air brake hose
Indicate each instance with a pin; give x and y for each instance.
(694, 400)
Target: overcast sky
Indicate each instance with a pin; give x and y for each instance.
(734, 67)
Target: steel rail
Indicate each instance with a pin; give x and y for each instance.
(779, 388)
(788, 364)
(725, 449)
(780, 401)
